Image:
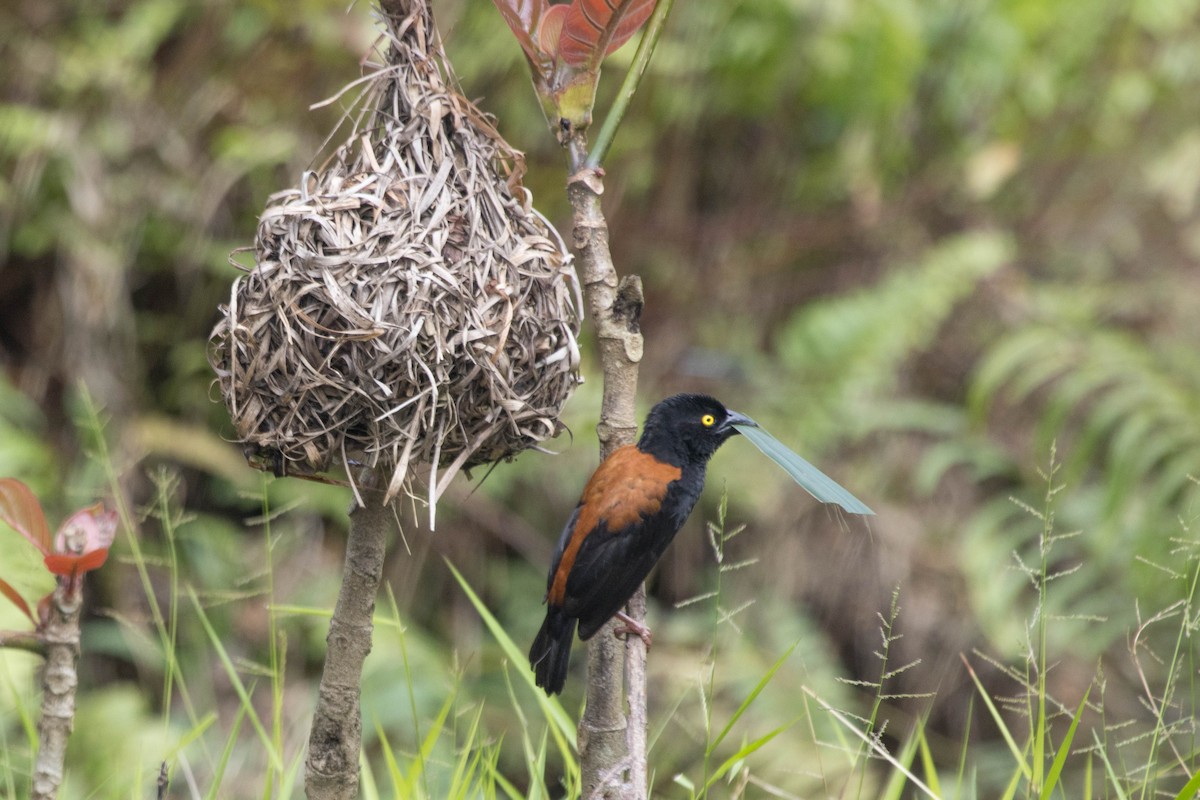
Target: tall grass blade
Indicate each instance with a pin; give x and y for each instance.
(927, 765)
(394, 610)
(535, 759)
(395, 773)
(416, 772)
(467, 766)
(1039, 737)
(497, 780)
(871, 743)
(367, 786)
(745, 750)
(1060, 758)
(287, 787)
(750, 698)
(1113, 780)
(1010, 791)
(896, 783)
(192, 735)
(99, 452)
(562, 727)
(226, 754)
(1018, 754)
(1191, 789)
(538, 789)
(962, 758)
(236, 681)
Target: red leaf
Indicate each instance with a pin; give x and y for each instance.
(550, 29)
(591, 22)
(21, 511)
(81, 544)
(8, 591)
(69, 565)
(88, 529)
(523, 18)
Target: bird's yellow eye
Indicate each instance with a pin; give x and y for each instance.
(707, 420)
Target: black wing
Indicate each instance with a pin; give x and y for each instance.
(609, 568)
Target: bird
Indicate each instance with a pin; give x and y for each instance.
(631, 508)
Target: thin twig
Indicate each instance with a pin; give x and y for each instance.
(29, 641)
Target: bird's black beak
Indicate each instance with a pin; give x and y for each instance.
(734, 419)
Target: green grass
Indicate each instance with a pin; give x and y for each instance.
(230, 714)
(1047, 743)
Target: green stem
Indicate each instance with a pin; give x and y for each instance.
(719, 544)
(1045, 543)
(629, 87)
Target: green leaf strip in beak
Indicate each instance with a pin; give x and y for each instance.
(811, 479)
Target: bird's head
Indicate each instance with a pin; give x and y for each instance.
(688, 427)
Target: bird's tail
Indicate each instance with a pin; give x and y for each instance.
(551, 651)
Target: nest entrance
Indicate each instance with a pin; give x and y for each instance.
(408, 306)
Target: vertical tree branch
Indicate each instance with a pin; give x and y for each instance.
(59, 681)
(602, 727)
(635, 691)
(335, 741)
(608, 746)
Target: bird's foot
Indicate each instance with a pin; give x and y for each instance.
(631, 625)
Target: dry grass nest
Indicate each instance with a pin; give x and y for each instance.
(408, 308)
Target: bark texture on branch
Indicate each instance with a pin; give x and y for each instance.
(635, 693)
(611, 745)
(335, 741)
(60, 636)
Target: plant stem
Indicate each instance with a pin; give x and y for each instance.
(629, 86)
(1045, 542)
(59, 681)
(335, 741)
(29, 641)
(606, 738)
(718, 536)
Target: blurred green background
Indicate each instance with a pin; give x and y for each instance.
(924, 243)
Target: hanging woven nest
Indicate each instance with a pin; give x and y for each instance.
(408, 306)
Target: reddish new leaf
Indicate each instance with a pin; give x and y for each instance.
(591, 24)
(523, 18)
(550, 29)
(21, 511)
(8, 591)
(81, 544)
(69, 566)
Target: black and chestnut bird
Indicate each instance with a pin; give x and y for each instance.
(631, 509)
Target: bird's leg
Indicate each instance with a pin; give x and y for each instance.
(631, 625)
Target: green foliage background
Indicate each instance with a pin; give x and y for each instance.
(921, 242)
